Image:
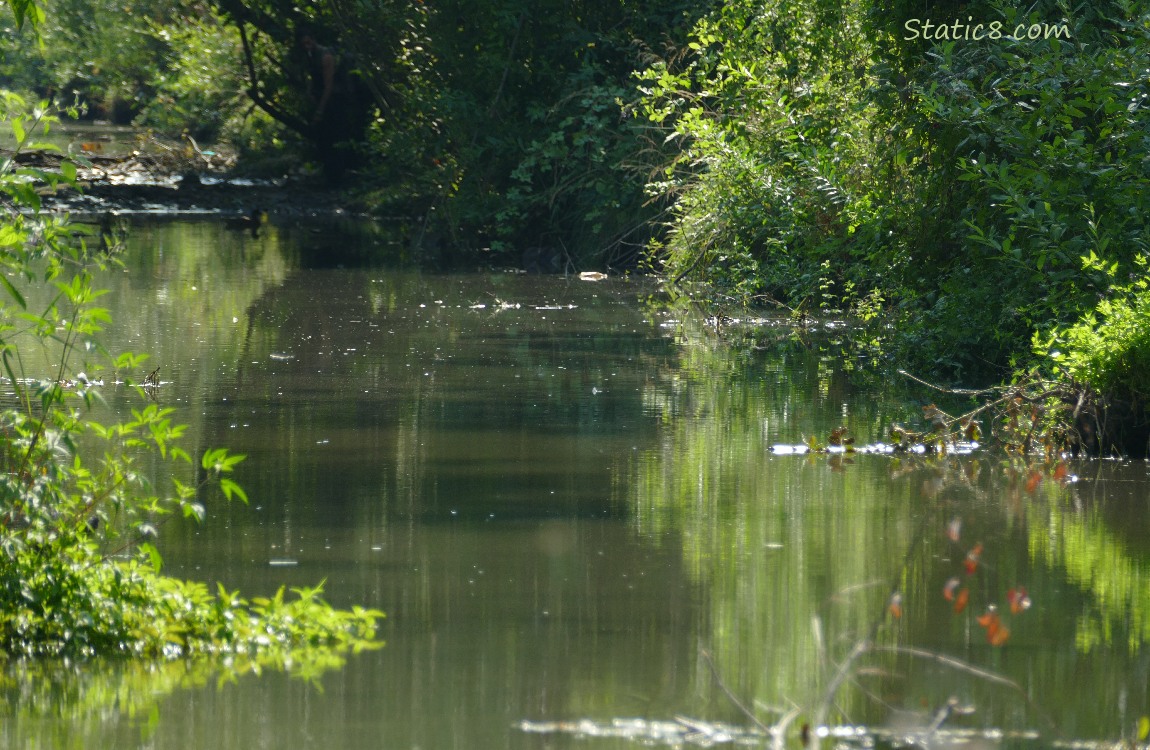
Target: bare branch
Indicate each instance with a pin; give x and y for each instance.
(255, 92)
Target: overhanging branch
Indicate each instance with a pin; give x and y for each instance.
(254, 91)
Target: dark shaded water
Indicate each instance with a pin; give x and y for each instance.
(563, 496)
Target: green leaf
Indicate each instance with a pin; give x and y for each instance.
(230, 488)
(14, 292)
(153, 556)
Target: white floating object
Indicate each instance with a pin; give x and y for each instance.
(592, 276)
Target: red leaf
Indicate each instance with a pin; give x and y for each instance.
(1019, 600)
(972, 557)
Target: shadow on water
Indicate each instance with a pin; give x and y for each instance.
(563, 493)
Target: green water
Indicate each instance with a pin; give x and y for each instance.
(566, 501)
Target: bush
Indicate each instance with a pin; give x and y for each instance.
(1109, 348)
(987, 189)
(78, 573)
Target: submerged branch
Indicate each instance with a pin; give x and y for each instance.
(984, 674)
(734, 699)
(955, 391)
(1033, 415)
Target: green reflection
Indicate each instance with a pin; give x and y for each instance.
(796, 553)
(1113, 575)
(65, 705)
(798, 556)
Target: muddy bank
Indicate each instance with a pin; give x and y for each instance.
(151, 184)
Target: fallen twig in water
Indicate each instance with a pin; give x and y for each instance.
(962, 666)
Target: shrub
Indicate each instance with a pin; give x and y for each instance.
(78, 573)
(1108, 349)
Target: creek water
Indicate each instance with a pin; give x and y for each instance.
(568, 499)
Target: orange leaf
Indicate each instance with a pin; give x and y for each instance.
(895, 607)
(961, 600)
(989, 617)
(999, 636)
(1060, 471)
(1033, 481)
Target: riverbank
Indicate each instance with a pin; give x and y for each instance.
(176, 184)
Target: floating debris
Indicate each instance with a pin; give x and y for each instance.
(592, 276)
(683, 731)
(957, 449)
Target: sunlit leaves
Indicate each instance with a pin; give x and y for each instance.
(26, 10)
(153, 557)
(230, 489)
(218, 461)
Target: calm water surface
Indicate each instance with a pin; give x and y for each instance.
(567, 503)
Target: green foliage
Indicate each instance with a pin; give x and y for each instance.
(825, 156)
(1042, 145)
(79, 575)
(1108, 349)
(23, 10)
(508, 133)
(103, 52)
(167, 64)
(199, 86)
(777, 162)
